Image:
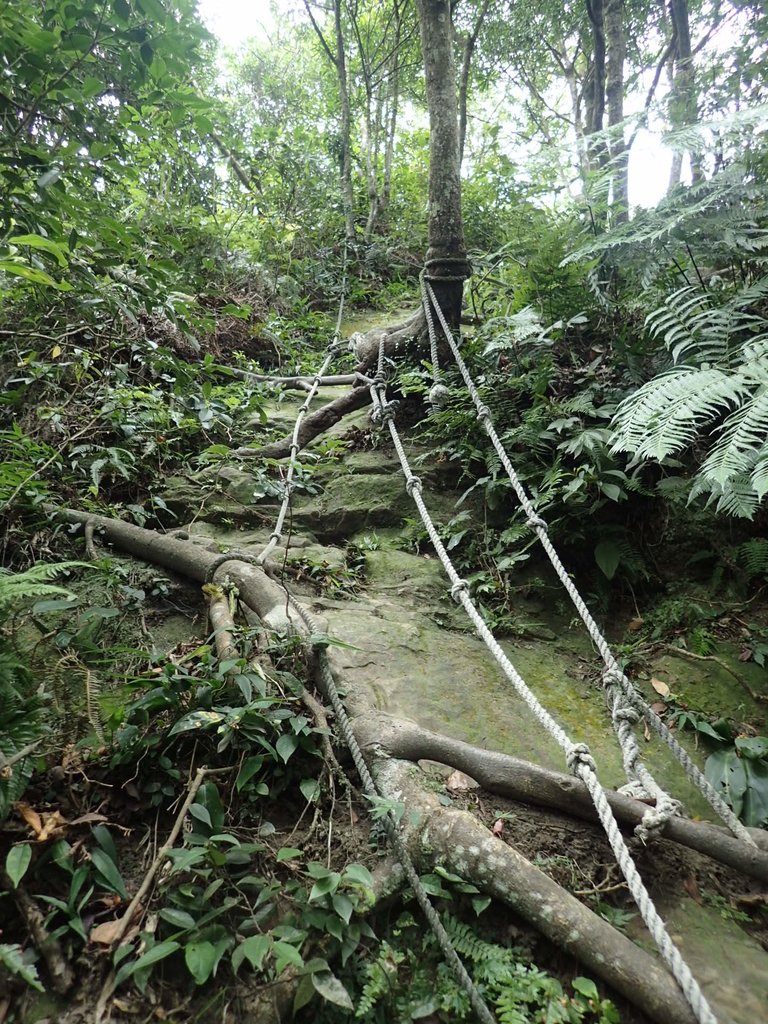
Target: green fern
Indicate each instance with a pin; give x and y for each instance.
(32, 585)
(753, 556)
(724, 397)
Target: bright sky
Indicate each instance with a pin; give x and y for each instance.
(235, 21)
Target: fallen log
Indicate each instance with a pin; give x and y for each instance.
(437, 835)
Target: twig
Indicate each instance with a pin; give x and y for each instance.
(58, 967)
(759, 697)
(149, 877)
(8, 762)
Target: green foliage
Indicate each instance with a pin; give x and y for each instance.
(723, 398)
(407, 979)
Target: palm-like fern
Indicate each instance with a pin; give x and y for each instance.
(719, 394)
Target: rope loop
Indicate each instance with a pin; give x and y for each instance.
(459, 587)
(484, 414)
(655, 818)
(413, 483)
(536, 522)
(579, 756)
(387, 412)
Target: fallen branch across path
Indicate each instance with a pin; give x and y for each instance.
(435, 834)
(314, 424)
(530, 783)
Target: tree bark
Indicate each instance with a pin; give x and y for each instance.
(683, 100)
(468, 51)
(446, 262)
(616, 46)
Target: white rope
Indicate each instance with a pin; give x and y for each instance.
(577, 755)
(334, 346)
(616, 683)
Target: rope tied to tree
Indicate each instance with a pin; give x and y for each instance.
(538, 525)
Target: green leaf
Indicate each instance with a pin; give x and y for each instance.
(608, 557)
(146, 53)
(358, 874)
(152, 956)
(324, 886)
(197, 720)
(250, 766)
(286, 745)
(17, 862)
(288, 853)
(753, 747)
(332, 990)
(12, 958)
(310, 789)
(343, 906)
(284, 955)
(202, 814)
(254, 950)
(38, 242)
(108, 872)
(178, 918)
(586, 987)
(201, 959)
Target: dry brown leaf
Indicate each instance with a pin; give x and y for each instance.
(88, 819)
(498, 827)
(31, 817)
(691, 886)
(635, 624)
(660, 687)
(745, 654)
(53, 823)
(106, 933)
(659, 708)
(458, 782)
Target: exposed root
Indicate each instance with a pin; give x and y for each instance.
(407, 335)
(314, 424)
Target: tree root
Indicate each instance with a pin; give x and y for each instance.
(406, 335)
(435, 833)
(530, 783)
(314, 424)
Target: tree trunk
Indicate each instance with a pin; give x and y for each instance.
(446, 262)
(466, 62)
(345, 155)
(616, 45)
(682, 102)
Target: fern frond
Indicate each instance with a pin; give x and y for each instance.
(32, 584)
(666, 414)
(753, 555)
(743, 441)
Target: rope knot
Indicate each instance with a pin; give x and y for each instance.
(413, 483)
(655, 818)
(536, 522)
(459, 587)
(438, 395)
(613, 677)
(484, 414)
(625, 713)
(579, 756)
(387, 412)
